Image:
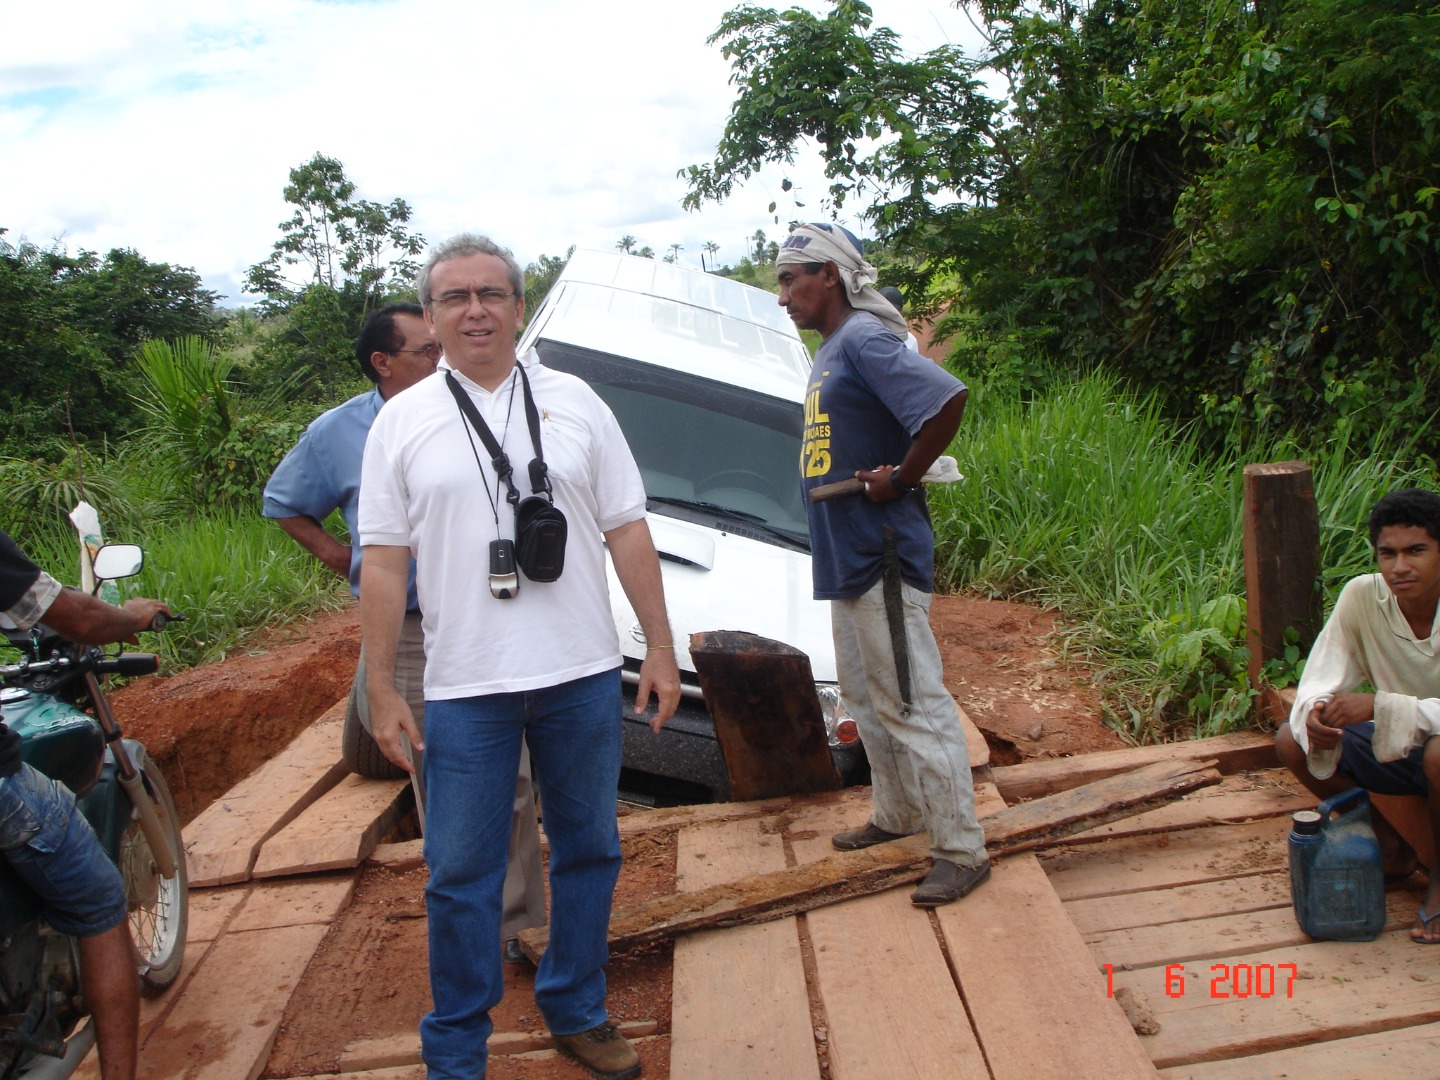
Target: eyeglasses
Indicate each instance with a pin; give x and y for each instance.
(459, 299)
(430, 352)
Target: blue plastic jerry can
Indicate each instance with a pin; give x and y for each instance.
(1337, 876)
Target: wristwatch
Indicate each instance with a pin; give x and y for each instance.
(899, 486)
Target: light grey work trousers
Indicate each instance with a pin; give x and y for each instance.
(919, 763)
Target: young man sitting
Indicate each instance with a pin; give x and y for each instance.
(1382, 635)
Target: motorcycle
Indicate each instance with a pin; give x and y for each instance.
(54, 698)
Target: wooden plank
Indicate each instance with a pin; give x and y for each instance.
(210, 912)
(294, 903)
(761, 695)
(1183, 903)
(152, 1010)
(224, 1025)
(1038, 1004)
(763, 897)
(221, 844)
(1222, 935)
(740, 1004)
(1407, 1051)
(1232, 753)
(516, 1066)
(1134, 864)
(338, 830)
(892, 1011)
(403, 1050)
(1238, 798)
(1341, 990)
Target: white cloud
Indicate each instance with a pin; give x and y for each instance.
(170, 127)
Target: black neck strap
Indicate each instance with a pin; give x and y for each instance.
(539, 472)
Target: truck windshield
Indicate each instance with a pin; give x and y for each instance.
(709, 452)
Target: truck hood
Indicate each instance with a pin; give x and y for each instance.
(715, 580)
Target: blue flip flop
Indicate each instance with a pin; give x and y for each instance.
(1425, 921)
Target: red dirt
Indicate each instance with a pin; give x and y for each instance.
(209, 727)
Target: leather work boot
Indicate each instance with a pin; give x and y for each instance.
(869, 836)
(948, 882)
(603, 1050)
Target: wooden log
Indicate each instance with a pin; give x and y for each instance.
(1282, 559)
(763, 897)
(1231, 753)
(761, 695)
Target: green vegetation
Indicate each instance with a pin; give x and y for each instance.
(232, 573)
(69, 327)
(1230, 203)
(1087, 500)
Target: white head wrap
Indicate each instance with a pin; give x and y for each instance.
(821, 243)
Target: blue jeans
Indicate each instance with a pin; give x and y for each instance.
(48, 842)
(471, 757)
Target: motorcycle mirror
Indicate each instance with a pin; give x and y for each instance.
(115, 561)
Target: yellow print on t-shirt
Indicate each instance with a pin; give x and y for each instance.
(815, 449)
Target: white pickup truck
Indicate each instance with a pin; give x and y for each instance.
(707, 378)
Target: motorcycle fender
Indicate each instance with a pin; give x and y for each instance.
(106, 806)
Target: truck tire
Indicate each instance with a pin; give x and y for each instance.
(362, 755)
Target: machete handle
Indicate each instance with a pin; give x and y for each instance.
(837, 490)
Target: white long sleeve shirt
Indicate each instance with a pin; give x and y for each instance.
(1367, 639)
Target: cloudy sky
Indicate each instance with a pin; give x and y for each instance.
(169, 126)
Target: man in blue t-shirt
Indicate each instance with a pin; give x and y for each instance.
(48, 842)
(882, 414)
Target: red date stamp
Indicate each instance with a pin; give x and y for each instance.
(1227, 980)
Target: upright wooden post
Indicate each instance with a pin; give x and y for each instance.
(1282, 559)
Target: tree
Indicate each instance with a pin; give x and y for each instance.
(337, 241)
(626, 244)
(540, 277)
(69, 325)
(674, 255)
(646, 252)
(711, 248)
(1231, 202)
(338, 258)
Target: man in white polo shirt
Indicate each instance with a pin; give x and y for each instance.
(513, 649)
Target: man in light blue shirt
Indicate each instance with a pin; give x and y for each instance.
(321, 474)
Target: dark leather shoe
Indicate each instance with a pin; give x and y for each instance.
(948, 882)
(512, 952)
(869, 836)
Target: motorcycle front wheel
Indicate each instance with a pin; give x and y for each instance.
(159, 905)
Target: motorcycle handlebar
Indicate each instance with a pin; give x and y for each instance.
(161, 620)
(126, 664)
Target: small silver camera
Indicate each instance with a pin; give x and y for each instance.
(504, 581)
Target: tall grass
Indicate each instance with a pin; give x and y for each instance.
(1089, 501)
(232, 573)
